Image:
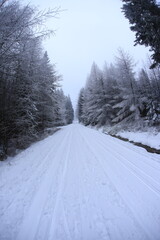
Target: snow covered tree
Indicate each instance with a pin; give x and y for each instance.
(145, 93)
(46, 97)
(94, 96)
(69, 113)
(149, 98)
(60, 108)
(127, 85)
(23, 109)
(64, 113)
(27, 80)
(114, 97)
(144, 17)
(96, 99)
(80, 105)
(112, 91)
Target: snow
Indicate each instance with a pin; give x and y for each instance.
(80, 184)
(146, 138)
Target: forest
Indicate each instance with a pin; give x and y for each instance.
(120, 98)
(94, 180)
(32, 103)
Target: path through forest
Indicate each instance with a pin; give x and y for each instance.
(80, 184)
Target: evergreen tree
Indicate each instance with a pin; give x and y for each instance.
(28, 81)
(112, 90)
(144, 17)
(80, 105)
(128, 95)
(60, 108)
(23, 109)
(95, 96)
(46, 102)
(145, 93)
(69, 113)
(91, 104)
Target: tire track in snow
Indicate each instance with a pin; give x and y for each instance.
(77, 228)
(98, 227)
(147, 162)
(59, 195)
(148, 180)
(21, 187)
(111, 166)
(29, 227)
(111, 221)
(136, 150)
(39, 170)
(52, 200)
(87, 193)
(91, 227)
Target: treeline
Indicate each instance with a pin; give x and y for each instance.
(117, 97)
(30, 98)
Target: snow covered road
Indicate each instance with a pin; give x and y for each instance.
(80, 184)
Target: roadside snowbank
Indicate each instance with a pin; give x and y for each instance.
(146, 138)
(150, 137)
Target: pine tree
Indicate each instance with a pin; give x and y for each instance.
(94, 94)
(46, 97)
(128, 95)
(69, 113)
(60, 117)
(28, 81)
(112, 90)
(144, 17)
(80, 106)
(114, 97)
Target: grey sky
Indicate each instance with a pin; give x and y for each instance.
(89, 30)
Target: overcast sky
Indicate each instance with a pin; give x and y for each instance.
(87, 31)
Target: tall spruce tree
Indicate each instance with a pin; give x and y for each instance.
(46, 97)
(28, 81)
(80, 105)
(144, 17)
(69, 113)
